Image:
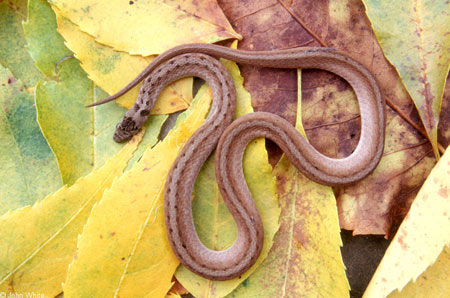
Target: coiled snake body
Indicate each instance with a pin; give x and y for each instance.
(198, 60)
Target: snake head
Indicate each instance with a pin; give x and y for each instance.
(125, 130)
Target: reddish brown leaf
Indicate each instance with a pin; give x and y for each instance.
(330, 111)
(444, 121)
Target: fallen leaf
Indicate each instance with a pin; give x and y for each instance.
(177, 288)
(414, 37)
(81, 138)
(432, 283)
(127, 254)
(213, 221)
(39, 241)
(420, 238)
(378, 204)
(39, 31)
(105, 120)
(19, 6)
(28, 169)
(265, 25)
(444, 122)
(148, 27)
(305, 260)
(111, 70)
(13, 54)
(330, 111)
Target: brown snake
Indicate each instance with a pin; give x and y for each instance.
(197, 60)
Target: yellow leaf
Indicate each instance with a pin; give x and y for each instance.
(432, 283)
(124, 251)
(148, 27)
(38, 241)
(215, 225)
(305, 260)
(420, 238)
(112, 70)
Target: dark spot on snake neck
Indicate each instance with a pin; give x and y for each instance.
(145, 113)
(136, 107)
(148, 102)
(128, 124)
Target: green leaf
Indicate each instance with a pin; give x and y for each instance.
(39, 31)
(13, 53)
(81, 138)
(28, 169)
(415, 38)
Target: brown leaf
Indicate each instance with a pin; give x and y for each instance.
(444, 121)
(177, 288)
(330, 110)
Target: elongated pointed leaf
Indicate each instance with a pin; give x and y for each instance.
(127, 254)
(420, 238)
(148, 27)
(432, 283)
(13, 54)
(38, 241)
(81, 138)
(415, 37)
(112, 70)
(44, 44)
(28, 168)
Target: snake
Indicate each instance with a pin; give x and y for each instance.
(229, 138)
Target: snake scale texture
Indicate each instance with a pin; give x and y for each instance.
(231, 138)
